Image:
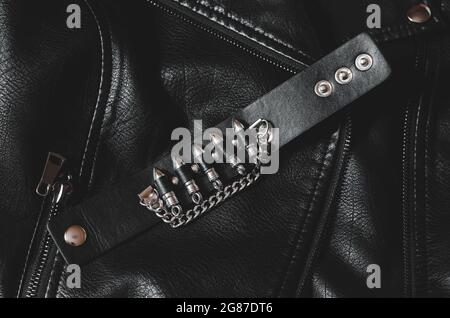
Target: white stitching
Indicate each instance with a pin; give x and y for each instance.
(99, 94)
(234, 17)
(325, 161)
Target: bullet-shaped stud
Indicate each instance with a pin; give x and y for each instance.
(239, 130)
(186, 177)
(251, 146)
(234, 161)
(164, 187)
(207, 169)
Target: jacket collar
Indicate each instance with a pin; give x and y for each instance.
(306, 30)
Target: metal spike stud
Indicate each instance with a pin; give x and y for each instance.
(164, 187)
(208, 170)
(239, 130)
(157, 174)
(234, 161)
(185, 175)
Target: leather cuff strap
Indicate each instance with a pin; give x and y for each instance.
(294, 107)
(114, 216)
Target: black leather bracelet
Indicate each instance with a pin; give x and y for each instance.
(294, 107)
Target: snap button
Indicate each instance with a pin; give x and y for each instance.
(364, 62)
(323, 89)
(75, 235)
(195, 168)
(419, 13)
(343, 75)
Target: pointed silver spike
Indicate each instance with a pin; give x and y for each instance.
(157, 174)
(237, 125)
(197, 151)
(216, 139)
(177, 162)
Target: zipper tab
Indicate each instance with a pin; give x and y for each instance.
(51, 171)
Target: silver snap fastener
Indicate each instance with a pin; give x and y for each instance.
(419, 13)
(175, 180)
(344, 75)
(323, 89)
(364, 62)
(75, 235)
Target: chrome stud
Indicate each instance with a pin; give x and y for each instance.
(419, 13)
(343, 75)
(323, 89)
(364, 62)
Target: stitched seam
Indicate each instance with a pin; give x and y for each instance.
(300, 238)
(426, 179)
(99, 94)
(337, 172)
(415, 215)
(428, 159)
(232, 17)
(101, 34)
(416, 221)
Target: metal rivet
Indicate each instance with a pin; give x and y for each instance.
(75, 235)
(175, 180)
(195, 168)
(419, 13)
(343, 75)
(364, 62)
(323, 89)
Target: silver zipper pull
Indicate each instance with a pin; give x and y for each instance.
(51, 171)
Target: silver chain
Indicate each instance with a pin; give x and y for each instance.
(176, 218)
(207, 205)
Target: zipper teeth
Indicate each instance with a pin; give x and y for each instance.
(405, 214)
(224, 38)
(43, 257)
(347, 143)
(408, 243)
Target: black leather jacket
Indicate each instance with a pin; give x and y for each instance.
(369, 185)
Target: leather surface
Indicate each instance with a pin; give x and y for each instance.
(107, 97)
(292, 107)
(213, 239)
(49, 81)
(436, 181)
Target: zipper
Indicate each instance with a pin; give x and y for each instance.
(55, 186)
(412, 253)
(335, 192)
(264, 53)
(59, 194)
(405, 206)
(43, 263)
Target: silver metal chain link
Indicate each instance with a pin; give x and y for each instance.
(207, 205)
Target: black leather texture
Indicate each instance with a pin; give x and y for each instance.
(368, 185)
(292, 107)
